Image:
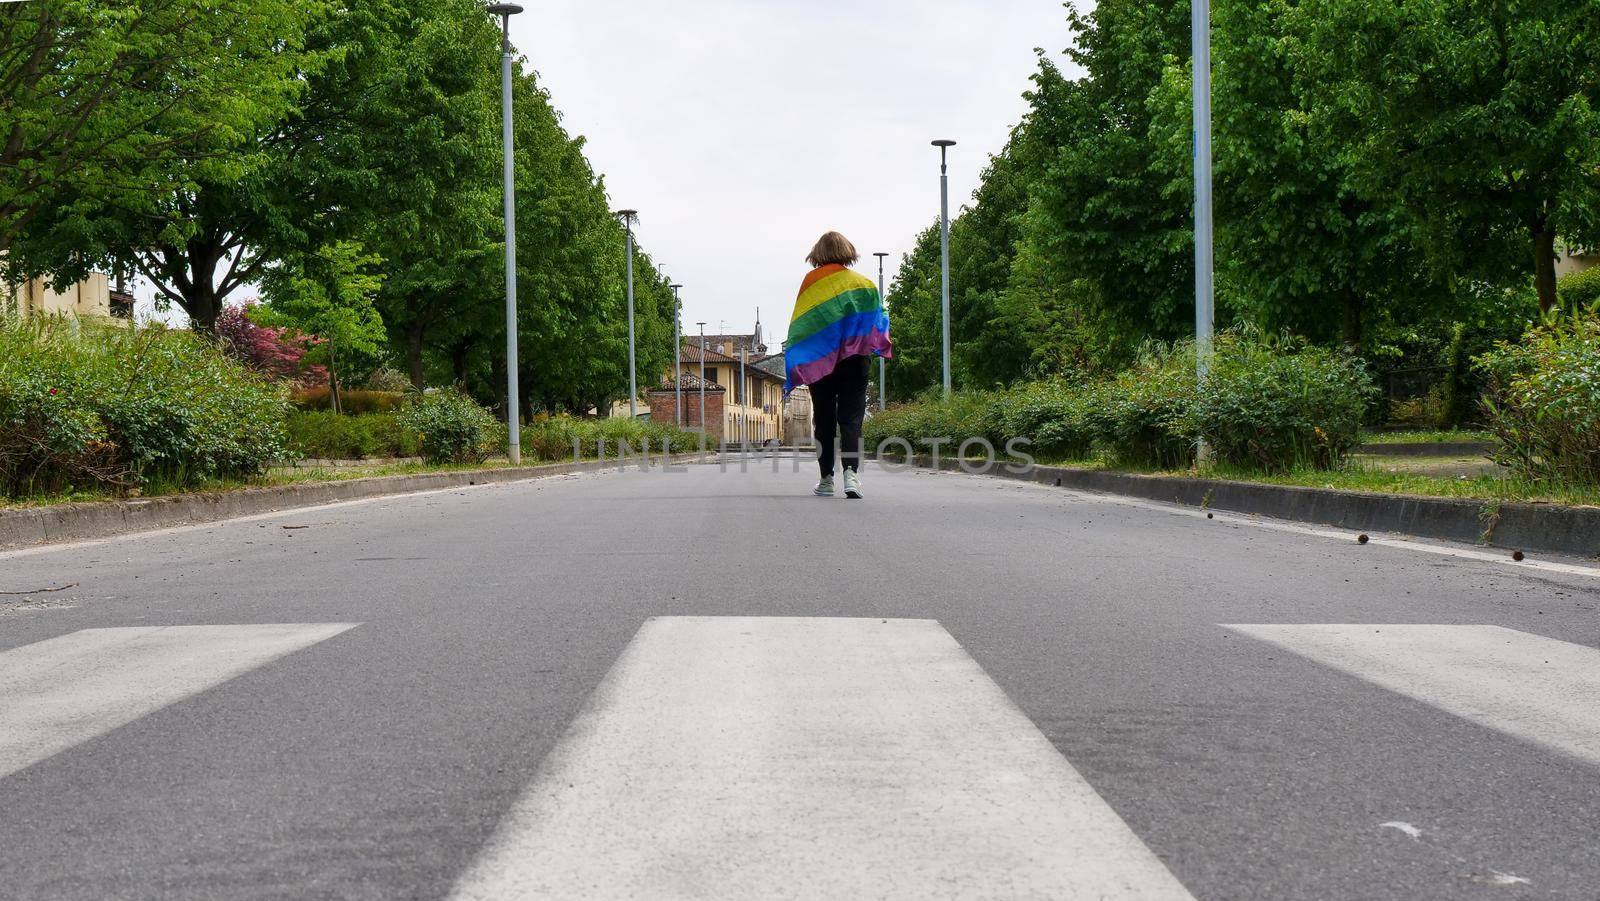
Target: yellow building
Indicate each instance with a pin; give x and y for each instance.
(1575, 259)
(93, 296)
(748, 408)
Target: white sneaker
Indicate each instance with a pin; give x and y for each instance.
(824, 488)
(852, 484)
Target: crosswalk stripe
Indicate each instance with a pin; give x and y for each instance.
(63, 691)
(1538, 689)
(756, 757)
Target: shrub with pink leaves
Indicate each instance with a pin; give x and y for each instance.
(274, 352)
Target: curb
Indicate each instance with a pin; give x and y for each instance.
(1545, 527)
(32, 526)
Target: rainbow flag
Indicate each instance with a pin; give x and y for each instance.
(838, 314)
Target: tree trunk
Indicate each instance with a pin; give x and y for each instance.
(414, 334)
(1544, 265)
(458, 362)
(333, 382)
(1352, 319)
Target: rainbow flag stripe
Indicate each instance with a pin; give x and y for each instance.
(838, 314)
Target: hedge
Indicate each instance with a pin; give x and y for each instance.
(1267, 403)
(323, 434)
(98, 407)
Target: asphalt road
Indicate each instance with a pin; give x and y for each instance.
(1077, 720)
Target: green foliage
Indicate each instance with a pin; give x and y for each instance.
(1544, 401)
(110, 104)
(966, 414)
(1053, 415)
(553, 438)
(1481, 116)
(453, 428)
(1276, 405)
(1580, 291)
(83, 406)
(328, 295)
(1144, 415)
(325, 435)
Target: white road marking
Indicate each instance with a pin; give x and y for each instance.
(1538, 689)
(753, 757)
(63, 691)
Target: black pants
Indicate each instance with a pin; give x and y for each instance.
(838, 403)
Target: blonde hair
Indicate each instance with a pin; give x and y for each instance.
(833, 249)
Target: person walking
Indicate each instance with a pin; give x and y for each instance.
(838, 325)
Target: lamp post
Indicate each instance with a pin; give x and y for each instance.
(628, 218)
(677, 357)
(883, 394)
(944, 254)
(702, 383)
(513, 403)
(1204, 280)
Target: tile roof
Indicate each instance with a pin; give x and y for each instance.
(691, 382)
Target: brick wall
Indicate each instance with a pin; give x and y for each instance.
(662, 410)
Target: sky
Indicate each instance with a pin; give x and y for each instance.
(741, 130)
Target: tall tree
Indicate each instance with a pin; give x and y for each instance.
(1110, 220)
(393, 116)
(116, 105)
(1482, 116)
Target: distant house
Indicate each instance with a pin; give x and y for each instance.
(94, 296)
(747, 408)
(1575, 259)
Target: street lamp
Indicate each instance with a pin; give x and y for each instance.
(1204, 281)
(628, 218)
(677, 357)
(513, 403)
(944, 253)
(883, 394)
(702, 384)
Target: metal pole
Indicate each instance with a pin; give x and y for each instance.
(513, 402)
(744, 399)
(702, 382)
(677, 358)
(633, 386)
(1204, 283)
(883, 393)
(944, 256)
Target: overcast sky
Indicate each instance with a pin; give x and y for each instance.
(743, 129)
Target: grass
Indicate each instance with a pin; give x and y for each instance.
(1363, 477)
(1427, 436)
(1358, 475)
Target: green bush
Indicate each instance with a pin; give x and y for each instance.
(1544, 401)
(552, 439)
(1053, 416)
(326, 435)
(965, 414)
(351, 400)
(452, 428)
(86, 406)
(1278, 404)
(1143, 416)
(1579, 292)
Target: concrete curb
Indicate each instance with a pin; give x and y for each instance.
(1545, 527)
(31, 526)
